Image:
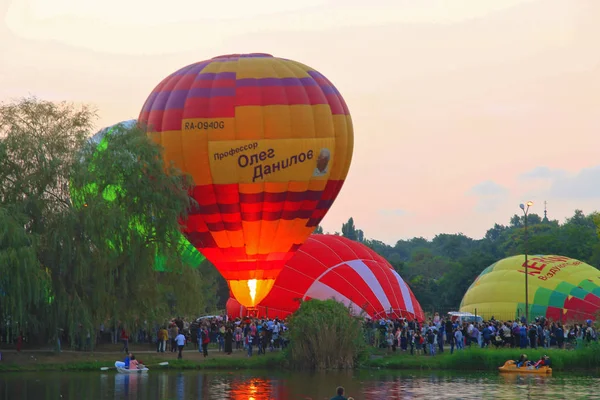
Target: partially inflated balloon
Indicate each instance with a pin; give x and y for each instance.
(188, 253)
(559, 288)
(334, 267)
(268, 142)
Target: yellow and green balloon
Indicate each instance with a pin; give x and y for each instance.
(559, 288)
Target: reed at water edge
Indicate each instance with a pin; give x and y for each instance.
(587, 358)
(325, 335)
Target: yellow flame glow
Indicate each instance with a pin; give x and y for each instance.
(250, 292)
(252, 287)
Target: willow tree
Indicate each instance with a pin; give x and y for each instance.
(24, 286)
(99, 255)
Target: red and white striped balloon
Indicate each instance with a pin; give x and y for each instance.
(329, 266)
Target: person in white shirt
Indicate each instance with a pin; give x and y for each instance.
(180, 340)
(458, 336)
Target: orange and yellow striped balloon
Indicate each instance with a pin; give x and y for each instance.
(268, 142)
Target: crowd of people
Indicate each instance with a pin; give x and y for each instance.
(401, 334)
(430, 336)
(245, 334)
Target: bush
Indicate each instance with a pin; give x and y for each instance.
(325, 335)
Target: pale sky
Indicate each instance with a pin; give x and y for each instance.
(462, 108)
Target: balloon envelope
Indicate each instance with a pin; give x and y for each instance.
(329, 266)
(268, 142)
(559, 288)
(188, 253)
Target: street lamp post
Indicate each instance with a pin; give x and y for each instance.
(525, 208)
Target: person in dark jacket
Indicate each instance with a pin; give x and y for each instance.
(449, 329)
(340, 394)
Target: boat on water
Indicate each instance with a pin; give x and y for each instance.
(510, 367)
(132, 371)
(120, 366)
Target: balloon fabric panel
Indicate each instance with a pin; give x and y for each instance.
(317, 270)
(217, 119)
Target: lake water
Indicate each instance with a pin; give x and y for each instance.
(264, 385)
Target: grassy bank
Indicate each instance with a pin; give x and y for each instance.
(477, 359)
(46, 361)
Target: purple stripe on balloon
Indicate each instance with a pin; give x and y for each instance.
(176, 100)
(191, 69)
(183, 70)
(315, 74)
(212, 92)
(150, 101)
(329, 90)
(160, 101)
(225, 59)
(265, 82)
(209, 76)
(327, 87)
(256, 55)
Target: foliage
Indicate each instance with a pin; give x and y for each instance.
(86, 262)
(439, 271)
(24, 285)
(585, 358)
(349, 231)
(325, 335)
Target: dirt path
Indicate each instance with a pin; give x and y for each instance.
(108, 354)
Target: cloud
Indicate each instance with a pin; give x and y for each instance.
(393, 212)
(491, 196)
(488, 188)
(562, 184)
(543, 172)
(583, 185)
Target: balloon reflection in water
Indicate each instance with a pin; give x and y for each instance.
(257, 389)
(127, 385)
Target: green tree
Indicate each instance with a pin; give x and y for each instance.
(98, 255)
(24, 285)
(349, 231)
(578, 236)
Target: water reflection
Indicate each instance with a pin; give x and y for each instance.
(127, 386)
(368, 385)
(256, 388)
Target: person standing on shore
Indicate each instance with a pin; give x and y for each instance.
(173, 332)
(20, 341)
(163, 335)
(205, 337)
(180, 340)
(125, 339)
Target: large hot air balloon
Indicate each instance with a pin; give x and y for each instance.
(188, 253)
(560, 289)
(330, 266)
(268, 143)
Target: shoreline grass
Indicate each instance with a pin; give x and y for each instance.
(477, 359)
(586, 359)
(271, 360)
